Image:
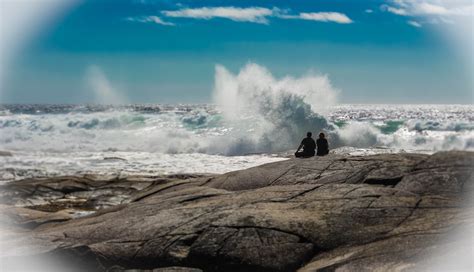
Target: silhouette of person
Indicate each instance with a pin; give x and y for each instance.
(323, 146)
(308, 146)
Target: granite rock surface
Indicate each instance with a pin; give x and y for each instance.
(332, 213)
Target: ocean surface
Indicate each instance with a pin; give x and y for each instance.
(48, 140)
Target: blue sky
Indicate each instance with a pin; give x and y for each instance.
(166, 51)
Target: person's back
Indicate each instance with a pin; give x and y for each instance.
(323, 145)
(308, 145)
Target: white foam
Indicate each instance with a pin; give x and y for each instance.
(256, 113)
(45, 164)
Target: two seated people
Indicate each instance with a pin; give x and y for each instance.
(309, 146)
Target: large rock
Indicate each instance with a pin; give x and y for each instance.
(382, 212)
(86, 193)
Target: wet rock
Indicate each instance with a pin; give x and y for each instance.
(5, 154)
(114, 159)
(29, 218)
(88, 192)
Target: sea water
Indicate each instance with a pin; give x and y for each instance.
(50, 140)
(253, 118)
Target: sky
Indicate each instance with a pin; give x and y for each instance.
(163, 51)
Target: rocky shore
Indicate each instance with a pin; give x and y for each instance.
(345, 213)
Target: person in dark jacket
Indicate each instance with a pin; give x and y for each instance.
(323, 146)
(308, 146)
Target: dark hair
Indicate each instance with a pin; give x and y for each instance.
(321, 135)
(309, 134)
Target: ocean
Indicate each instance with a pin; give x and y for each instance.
(153, 139)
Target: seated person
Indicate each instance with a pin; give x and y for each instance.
(308, 146)
(323, 146)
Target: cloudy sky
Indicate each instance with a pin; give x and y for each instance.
(163, 51)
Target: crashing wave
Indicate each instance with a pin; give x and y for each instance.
(253, 112)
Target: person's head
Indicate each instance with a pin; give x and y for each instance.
(309, 134)
(321, 135)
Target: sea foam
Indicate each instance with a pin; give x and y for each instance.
(254, 116)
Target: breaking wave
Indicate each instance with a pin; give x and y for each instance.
(253, 112)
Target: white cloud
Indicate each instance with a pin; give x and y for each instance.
(414, 23)
(253, 14)
(394, 10)
(446, 21)
(427, 8)
(335, 17)
(149, 19)
(430, 7)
